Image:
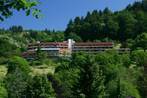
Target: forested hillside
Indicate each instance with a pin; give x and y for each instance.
(123, 26)
(107, 74)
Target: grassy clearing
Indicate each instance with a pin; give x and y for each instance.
(36, 70)
(117, 46)
(3, 71)
(42, 69)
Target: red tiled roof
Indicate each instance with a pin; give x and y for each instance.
(56, 44)
(94, 44)
(50, 44)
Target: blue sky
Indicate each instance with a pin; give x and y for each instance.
(57, 13)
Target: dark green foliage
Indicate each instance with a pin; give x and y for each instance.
(17, 77)
(8, 6)
(74, 37)
(58, 87)
(91, 79)
(71, 72)
(16, 29)
(16, 83)
(141, 41)
(120, 25)
(145, 5)
(141, 24)
(126, 24)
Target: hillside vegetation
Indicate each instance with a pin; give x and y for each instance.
(103, 75)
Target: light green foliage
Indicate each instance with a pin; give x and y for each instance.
(46, 36)
(42, 70)
(40, 87)
(41, 56)
(106, 74)
(18, 62)
(12, 44)
(3, 92)
(40, 36)
(3, 72)
(128, 89)
(116, 69)
(6, 47)
(139, 57)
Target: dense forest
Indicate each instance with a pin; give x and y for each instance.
(123, 26)
(103, 75)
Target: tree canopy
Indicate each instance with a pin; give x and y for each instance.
(119, 25)
(7, 7)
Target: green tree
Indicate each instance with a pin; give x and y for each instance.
(84, 79)
(111, 27)
(141, 41)
(17, 77)
(3, 92)
(8, 6)
(41, 56)
(98, 87)
(141, 23)
(74, 36)
(39, 87)
(119, 25)
(91, 79)
(119, 74)
(65, 69)
(139, 57)
(7, 48)
(126, 24)
(16, 29)
(145, 4)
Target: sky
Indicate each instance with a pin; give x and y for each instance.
(57, 13)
